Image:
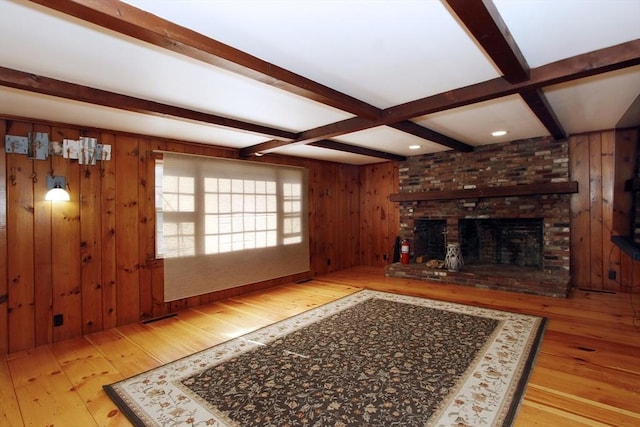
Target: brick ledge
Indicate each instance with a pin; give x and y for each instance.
(490, 276)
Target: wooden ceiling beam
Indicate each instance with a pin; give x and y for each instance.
(538, 103)
(133, 22)
(44, 85)
(484, 22)
(588, 64)
(348, 148)
(431, 135)
(482, 19)
(580, 66)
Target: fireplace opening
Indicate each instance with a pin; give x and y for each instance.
(506, 241)
(429, 239)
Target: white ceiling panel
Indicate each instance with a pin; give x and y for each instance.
(550, 30)
(25, 104)
(603, 99)
(318, 153)
(387, 139)
(474, 123)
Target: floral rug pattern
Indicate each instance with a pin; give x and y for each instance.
(371, 358)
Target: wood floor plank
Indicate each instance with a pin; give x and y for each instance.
(597, 411)
(587, 372)
(127, 357)
(9, 408)
(156, 344)
(88, 370)
(46, 395)
(534, 414)
(601, 391)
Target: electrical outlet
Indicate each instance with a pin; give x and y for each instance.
(58, 320)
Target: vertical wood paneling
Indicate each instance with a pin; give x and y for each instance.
(42, 252)
(91, 247)
(580, 237)
(145, 219)
(379, 223)
(65, 246)
(126, 213)
(20, 251)
(4, 323)
(595, 209)
(608, 173)
(611, 161)
(108, 235)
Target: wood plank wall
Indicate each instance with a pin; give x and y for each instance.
(91, 259)
(380, 218)
(601, 162)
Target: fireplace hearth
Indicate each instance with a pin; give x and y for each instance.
(510, 240)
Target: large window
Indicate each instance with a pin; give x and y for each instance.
(201, 210)
(206, 208)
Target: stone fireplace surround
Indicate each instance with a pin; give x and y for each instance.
(504, 165)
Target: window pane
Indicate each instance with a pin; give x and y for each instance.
(237, 186)
(211, 185)
(237, 202)
(224, 222)
(225, 243)
(170, 202)
(224, 203)
(211, 244)
(211, 224)
(249, 222)
(249, 203)
(261, 203)
(170, 184)
(237, 222)
(272, 203)
(186, 203)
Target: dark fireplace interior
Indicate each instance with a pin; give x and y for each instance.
(507, 241)
(429, 238)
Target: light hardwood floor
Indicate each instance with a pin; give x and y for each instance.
(587, 371)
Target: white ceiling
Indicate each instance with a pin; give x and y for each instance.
(384, 53)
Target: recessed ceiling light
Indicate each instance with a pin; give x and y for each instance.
(415, 147)
(499, 133)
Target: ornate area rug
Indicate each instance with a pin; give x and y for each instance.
(371, 358)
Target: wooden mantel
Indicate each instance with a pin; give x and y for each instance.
(504, 191)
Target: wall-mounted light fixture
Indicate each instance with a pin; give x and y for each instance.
(57, 189)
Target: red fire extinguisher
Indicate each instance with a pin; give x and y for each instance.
(404, 252)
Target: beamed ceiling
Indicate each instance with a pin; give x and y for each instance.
(352, 81)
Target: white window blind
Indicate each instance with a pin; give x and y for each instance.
(223, 223)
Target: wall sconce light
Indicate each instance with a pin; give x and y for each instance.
(57, 189)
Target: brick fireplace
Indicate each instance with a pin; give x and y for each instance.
(513, 227)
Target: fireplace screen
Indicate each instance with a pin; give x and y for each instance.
(508, 241)
(430, 238)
